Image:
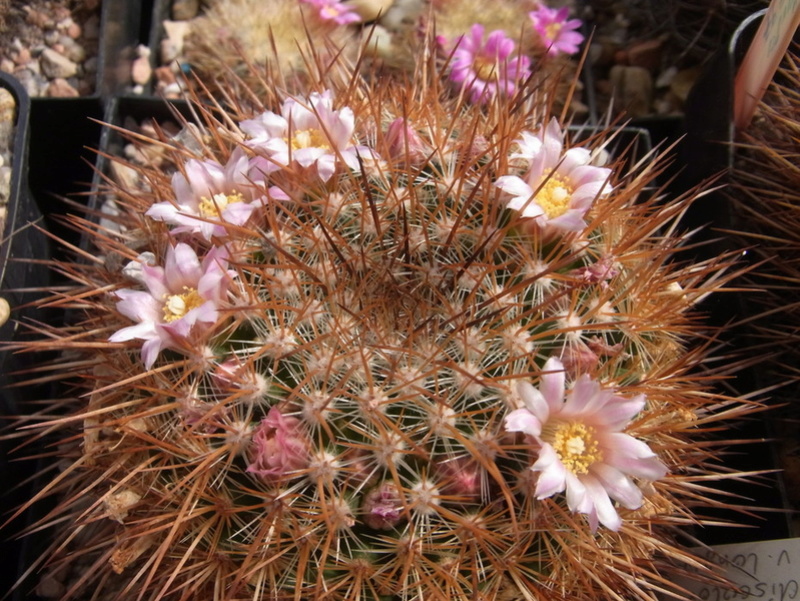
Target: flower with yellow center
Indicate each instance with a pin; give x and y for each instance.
(556, 30)
(308, 132)
(308, 138)
(181, 302)
(581, 446)
(214, 206)
(559, 187)
(487, 69)
(210, 196)
(177, 306)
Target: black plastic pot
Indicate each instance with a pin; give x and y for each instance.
(22, 278)
(22, 244)
(121, 112)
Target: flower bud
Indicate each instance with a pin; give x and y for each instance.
(383, 508)
(404, 143)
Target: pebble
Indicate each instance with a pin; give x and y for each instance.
(369, 10)
(5, 311)
(5, 186)
(683, 82)
(183, 10)
(168, 51)
(72, 49)
(51, 37)
(172, 90)
(38, 18)
(55, 65)
(402, 15)
(74, 31)
(22, 56)
(176, 32)
(59, 59)
(165, 75)
(61, 88)
(634, 89)
(29, 80)
(664, 79)
(646, 54)
(141, 71)
(8, 108)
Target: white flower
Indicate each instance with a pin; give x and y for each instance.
(560, 186)
(311, 134)
(582, 446)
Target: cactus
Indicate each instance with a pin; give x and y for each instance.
(378, 342)
(765, 201)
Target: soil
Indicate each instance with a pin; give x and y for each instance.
(646, 55)
(50, 46)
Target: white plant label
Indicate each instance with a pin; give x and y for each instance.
(763, 571)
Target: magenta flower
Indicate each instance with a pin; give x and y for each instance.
(209, 195)
(182, 300)
(582, 447)
(312, 135)
(559, 187)
(557, 32)
(279, 447)
(486, 70)
(334, 10)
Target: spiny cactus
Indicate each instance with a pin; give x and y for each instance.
(376, 342)
(764, 196)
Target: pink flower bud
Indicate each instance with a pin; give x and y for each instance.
(383, 507)
(279, 447)
(462, 478)
(404, 143)
(600, 272)
(579, 359)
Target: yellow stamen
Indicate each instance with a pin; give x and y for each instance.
(308, 138)
(213, 207)
(576, 446)
(554, 195)
(551, 31)
(485, 69)
(178, 305)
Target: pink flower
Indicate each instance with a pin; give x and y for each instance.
(209, 195)
(183, 299)
(312, 135)
(556, 31)
(486, 70)
(279, 447)
(559, 187)
(582, 447)
(334, 10)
